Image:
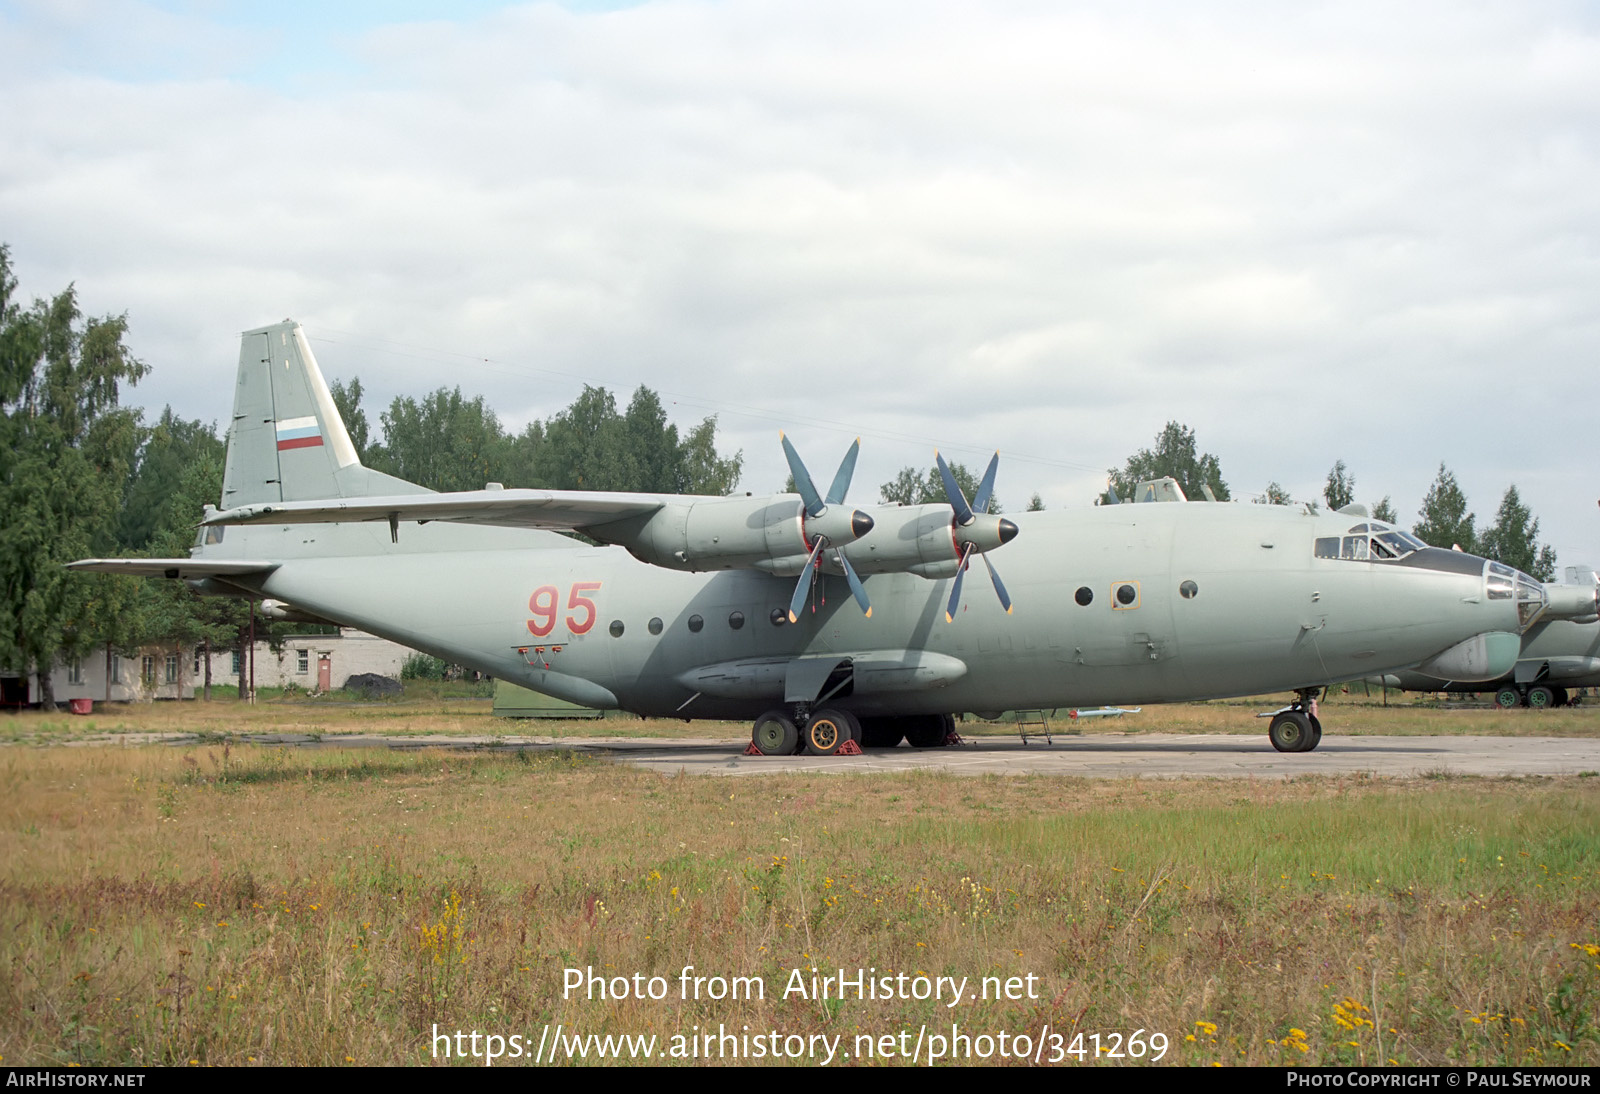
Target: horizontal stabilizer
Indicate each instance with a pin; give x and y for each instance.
(172, 567)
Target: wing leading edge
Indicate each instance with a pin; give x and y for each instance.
(553, 510)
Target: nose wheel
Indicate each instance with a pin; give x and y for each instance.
(1296, 728)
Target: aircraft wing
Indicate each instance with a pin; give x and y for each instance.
(172, 567)
(556, 510)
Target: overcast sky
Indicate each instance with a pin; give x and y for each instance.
(1357, 231)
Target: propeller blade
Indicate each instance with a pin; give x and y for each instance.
(856, 588)
(841, 481)
(807, 576)
(958, 500)
(980, 503)
(802, 479)
(999, 589)
(955, 589)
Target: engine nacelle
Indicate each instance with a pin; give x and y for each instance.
(923, 540)
(773, 534)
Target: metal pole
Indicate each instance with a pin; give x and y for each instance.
(252, 651)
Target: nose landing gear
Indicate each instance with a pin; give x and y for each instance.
(1296, 727)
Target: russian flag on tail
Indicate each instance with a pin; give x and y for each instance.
(299, 433)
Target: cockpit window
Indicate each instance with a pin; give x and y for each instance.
(1366, 542)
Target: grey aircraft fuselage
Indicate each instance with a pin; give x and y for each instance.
(1265, 614)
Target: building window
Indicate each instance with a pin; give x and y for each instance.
(116, 668)
(75, 671)
(235, 669)
(147, 670)
(172, 668)
(302, 661)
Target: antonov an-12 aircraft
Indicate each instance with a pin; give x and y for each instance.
(828, 626)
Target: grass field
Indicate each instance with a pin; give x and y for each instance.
(223, 903)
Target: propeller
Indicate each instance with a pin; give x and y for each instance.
(975, 531)
(826, 528)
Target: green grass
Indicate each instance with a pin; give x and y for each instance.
(229, 904)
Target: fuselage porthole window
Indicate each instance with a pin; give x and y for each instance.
(1084, 596)
(655, 625)
(779, 616)
(616, 628)
(735, 620)
(1188, 590)
(695, 623)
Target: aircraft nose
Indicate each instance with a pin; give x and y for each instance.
(1530, 596)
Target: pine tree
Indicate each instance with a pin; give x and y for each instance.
(1444, 520)
(1341, 487)
(1513, 539)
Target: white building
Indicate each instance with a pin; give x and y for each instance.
(315, 662)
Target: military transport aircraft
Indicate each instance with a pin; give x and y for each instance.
(1560, 652)
(720, 607)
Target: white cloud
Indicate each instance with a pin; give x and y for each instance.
(1352, 231)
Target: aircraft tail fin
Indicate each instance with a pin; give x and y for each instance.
(287, 441)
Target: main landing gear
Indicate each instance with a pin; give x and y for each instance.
(1295, 728)
(832, 731)
(1539, 696)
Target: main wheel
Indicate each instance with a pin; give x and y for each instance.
(1316, 733)
(1508, 698)
(927, 731)
(826, 732)
(1562, 698)
(775, 735)
(1541, 697)
(881, 732)
(1290, 731)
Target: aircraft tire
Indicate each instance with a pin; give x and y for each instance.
(826, 732)
(1541, 697)
(927, 731)
(1290, 731)
(775, 735)
(1508, 698)
(1316, 733)
(881, 732)
(1562, 697)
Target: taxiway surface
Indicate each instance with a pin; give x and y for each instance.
(1147, 755)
